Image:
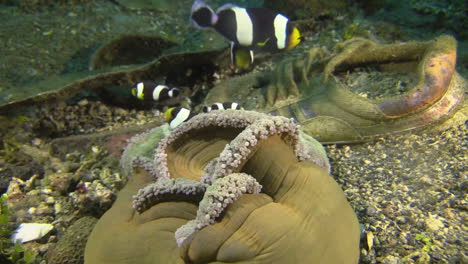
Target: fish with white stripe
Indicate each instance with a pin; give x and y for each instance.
(151, 91)
(222, 106)
(249, 30)
(177, 115)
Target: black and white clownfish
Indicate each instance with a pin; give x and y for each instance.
(148, 90)
(248, 29)
(222, 106)
(177, 115)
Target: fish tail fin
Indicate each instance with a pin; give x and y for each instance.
(202, 15)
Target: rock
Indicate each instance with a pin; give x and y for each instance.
(14, 190)
(390, 260)
(370, 240)
(371, 211)
(60, 181)
(4, 181)
(92, 197)
(24, 172)
(433, 223)
(111, 180)
(50, 200)
(448, 213)
(44, 209)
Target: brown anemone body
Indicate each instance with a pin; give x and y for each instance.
(300, 216)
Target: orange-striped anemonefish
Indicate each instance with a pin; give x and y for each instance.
(148, 90)
(249, 30)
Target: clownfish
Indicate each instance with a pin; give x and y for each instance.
(222, 106)
(177, 115)
(148, 90)
(249, 30)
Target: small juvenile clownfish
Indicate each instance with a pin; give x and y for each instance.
(222, 106)
(148, 90)
(177, 115)
(248, 29)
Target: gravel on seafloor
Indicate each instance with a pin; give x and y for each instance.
(408, 191)
(410, 195)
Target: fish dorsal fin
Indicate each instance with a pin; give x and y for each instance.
(226, 6)
(196, 7)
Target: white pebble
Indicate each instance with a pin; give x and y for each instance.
(31, 231)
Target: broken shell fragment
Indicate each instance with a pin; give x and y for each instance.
(31, 231)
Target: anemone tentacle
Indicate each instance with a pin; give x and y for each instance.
(168, 190)
(218, 196)
(221, 181)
